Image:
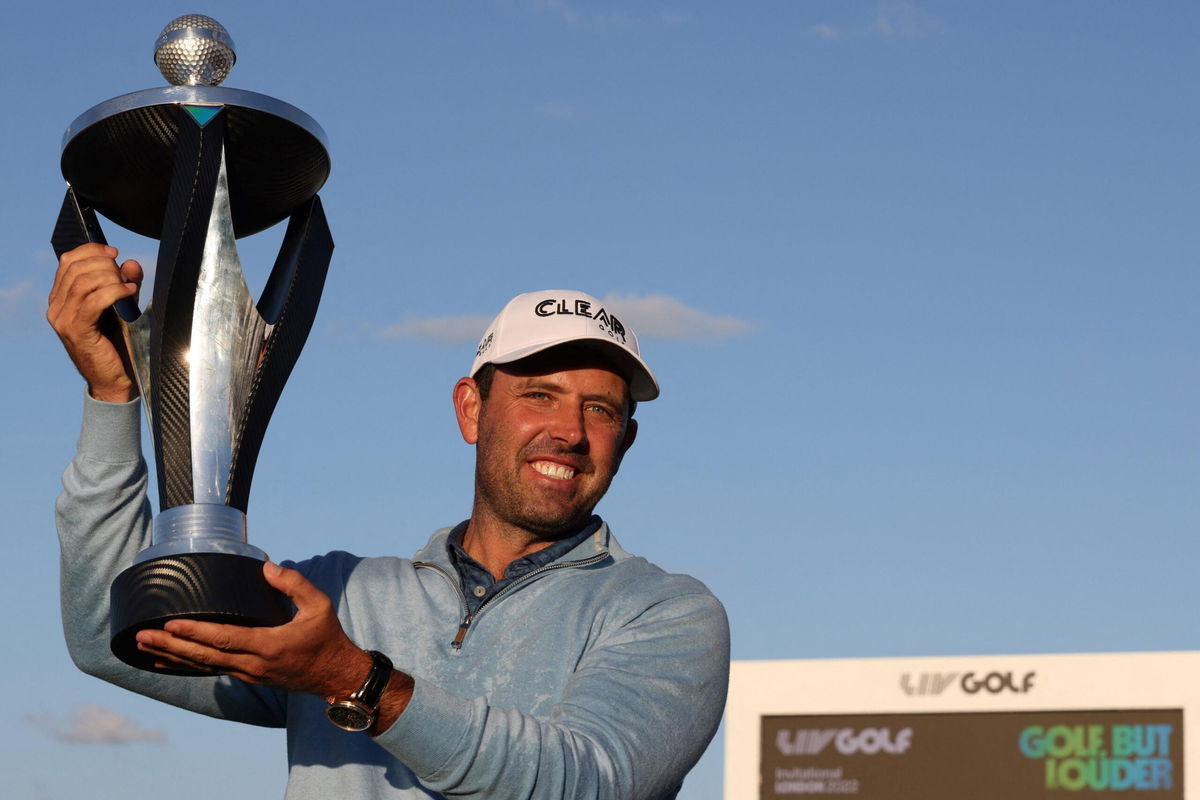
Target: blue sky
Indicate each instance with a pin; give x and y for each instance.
(918, 279)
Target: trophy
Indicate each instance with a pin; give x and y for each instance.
(196, 166)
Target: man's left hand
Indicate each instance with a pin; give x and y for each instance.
(309, 654)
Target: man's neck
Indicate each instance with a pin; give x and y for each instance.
(495, 545)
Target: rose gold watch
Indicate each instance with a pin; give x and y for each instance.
(357, 712)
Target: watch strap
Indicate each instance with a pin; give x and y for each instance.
(372, 688)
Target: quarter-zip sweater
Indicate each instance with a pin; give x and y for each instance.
(595, 676)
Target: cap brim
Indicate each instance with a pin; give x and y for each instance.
(643, 386)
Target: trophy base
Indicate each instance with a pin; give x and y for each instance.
(211, 587)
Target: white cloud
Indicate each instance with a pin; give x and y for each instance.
(904, 20)
(663, 317)
(899, 20)
(12, 294)
(452, 329)
(577, 17)
(825, 31)
(569, 13)
(16, 299)
(90, 724)
(652, 316)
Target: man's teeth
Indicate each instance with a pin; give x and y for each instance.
(552, 470)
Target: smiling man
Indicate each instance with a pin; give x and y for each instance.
(520, 653)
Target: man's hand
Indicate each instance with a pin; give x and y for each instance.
(309, 654)
(87, 283)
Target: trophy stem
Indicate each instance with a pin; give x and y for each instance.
(200, 528)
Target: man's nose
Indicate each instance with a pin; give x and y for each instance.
(567, 425)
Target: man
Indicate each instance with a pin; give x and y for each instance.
(522, 653)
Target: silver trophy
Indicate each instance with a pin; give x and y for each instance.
(197, 166)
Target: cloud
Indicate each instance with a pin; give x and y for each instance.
(570, 14)
(825, 31)
(663, 317)
(899, 20)
(451, 329)
(15, 299)
(91, 724)
(652, 316)
(576, 17)
(24, 303)
(904, 20)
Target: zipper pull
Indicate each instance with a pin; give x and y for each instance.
(462, 633)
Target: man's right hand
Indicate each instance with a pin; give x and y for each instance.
(87, 283)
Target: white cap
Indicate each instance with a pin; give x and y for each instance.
(537, 321)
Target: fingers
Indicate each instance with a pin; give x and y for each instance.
(172, 651)
(308, 654)
(132, 272)
(85, 270)
(204, 647)
(76, 310)
(89, 259)
(307, 597)
(81, 253)
(87, 283)
(210, 634)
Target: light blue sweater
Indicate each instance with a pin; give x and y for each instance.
(603, 679)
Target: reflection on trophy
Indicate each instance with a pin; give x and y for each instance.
(196, 166)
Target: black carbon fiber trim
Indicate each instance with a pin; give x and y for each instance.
(128, 183)
(289, 301)
(76, 225)
(213, 587)
(122, 165)
(185, 229)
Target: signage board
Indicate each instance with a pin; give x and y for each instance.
(1088, 726)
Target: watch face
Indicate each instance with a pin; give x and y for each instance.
(349, 716)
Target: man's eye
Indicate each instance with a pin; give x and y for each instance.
(600, 410)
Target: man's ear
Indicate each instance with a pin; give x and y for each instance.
(467, 405)
(630, 434)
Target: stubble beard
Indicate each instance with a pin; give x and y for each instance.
(503, 498)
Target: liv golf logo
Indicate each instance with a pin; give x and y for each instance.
(846, 741)
(934, 683)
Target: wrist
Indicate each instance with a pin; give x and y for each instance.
(395, 699)
(348, 678)
(121, 392)
(358, 710)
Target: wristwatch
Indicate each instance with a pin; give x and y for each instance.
(357, 713)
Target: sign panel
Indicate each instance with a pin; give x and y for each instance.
(1086, 726)
(983, 756)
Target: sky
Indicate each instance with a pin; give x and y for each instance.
(918, 280)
